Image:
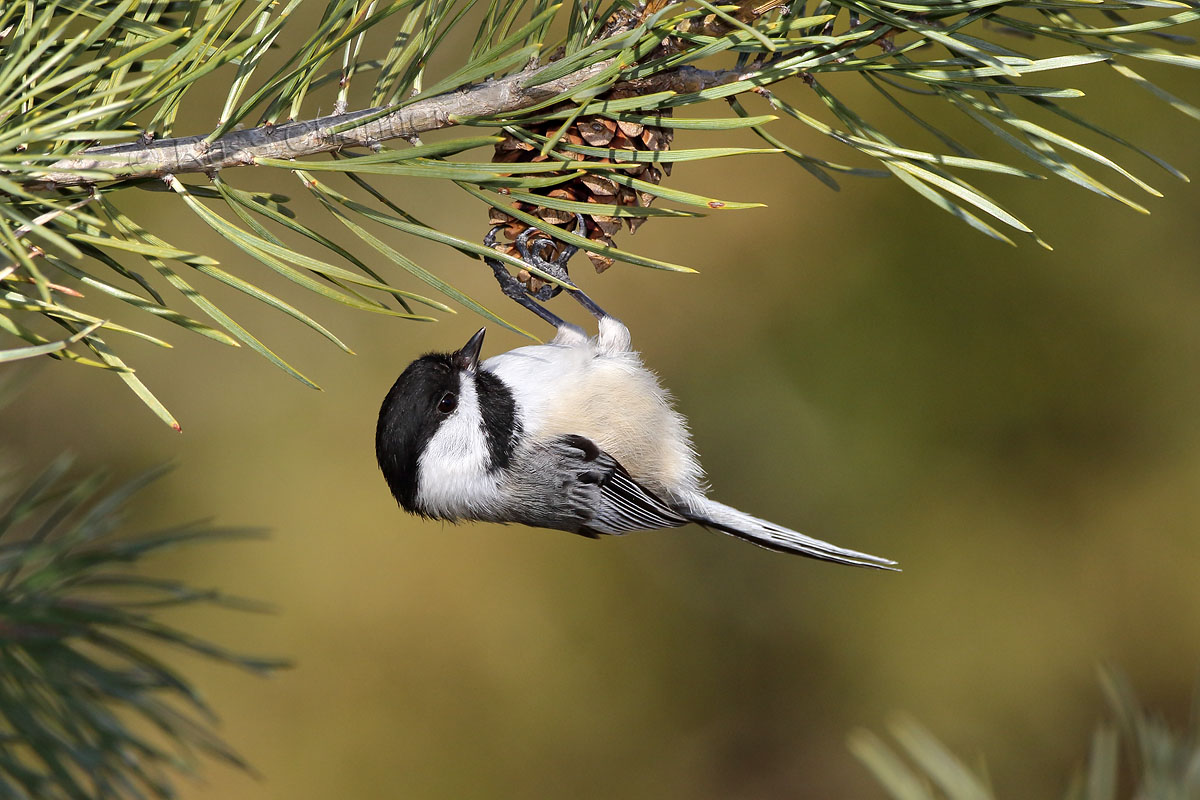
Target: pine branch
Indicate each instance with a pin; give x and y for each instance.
(335, 132)
(590, 132)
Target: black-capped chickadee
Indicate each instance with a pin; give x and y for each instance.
(575, 435)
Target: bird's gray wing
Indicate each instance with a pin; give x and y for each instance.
(625, 505)
(571, 484)
(622, 504)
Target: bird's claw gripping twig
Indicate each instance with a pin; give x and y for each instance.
(513, 288)
(529, 245)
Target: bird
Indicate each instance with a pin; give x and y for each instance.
(575, 434)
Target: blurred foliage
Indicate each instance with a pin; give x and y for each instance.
(1161, 764)
(87, 710)
(77, 74)
(1021, 430)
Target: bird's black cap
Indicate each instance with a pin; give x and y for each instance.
(422, 398)
(408, 419)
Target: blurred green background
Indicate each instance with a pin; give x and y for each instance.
(1020, 429)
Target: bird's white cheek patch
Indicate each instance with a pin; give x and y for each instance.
(453, 479)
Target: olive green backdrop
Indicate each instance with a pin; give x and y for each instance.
(1020, 429)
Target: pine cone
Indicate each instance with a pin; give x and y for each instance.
(593, 187)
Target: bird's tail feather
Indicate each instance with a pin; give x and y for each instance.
(718, 516)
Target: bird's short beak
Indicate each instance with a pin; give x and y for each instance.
(467, 356)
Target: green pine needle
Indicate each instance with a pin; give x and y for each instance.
(88, 706)
(78, 75)
(1160, 762)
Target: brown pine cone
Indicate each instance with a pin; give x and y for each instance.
(596, 188)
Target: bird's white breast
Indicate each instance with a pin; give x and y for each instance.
(601, 390)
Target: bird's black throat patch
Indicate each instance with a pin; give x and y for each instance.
(500, 422)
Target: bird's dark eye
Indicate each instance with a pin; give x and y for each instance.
(448, 403)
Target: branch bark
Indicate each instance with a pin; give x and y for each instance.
(298, 139)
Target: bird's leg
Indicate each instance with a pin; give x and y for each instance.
(557, 267)
(589, 304)
(530, 249)
(514, 289)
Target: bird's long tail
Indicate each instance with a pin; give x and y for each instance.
(718, 516)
